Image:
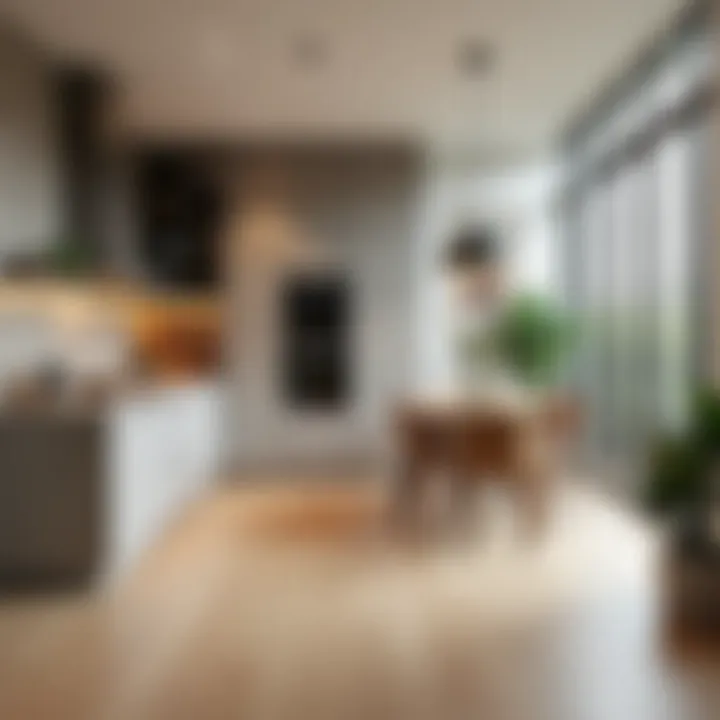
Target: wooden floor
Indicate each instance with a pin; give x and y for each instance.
(283, 601)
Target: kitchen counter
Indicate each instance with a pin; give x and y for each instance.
(163, 453)
(86, 489)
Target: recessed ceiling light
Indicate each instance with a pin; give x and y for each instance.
(309, 51)
(475, 58)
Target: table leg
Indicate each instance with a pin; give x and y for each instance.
(534, 482)
(407, 501)
(464, 487)
(532, 489)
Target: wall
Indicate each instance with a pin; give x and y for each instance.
(29, 165)
(355, 211)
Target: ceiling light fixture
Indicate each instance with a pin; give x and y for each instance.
(309, 51)
(475, 58)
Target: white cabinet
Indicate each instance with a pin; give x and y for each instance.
(163, 453)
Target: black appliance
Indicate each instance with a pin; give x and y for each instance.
(316, 335)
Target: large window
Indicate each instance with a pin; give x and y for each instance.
(633, 248)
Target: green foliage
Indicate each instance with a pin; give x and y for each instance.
(705, 423)
(70, 256)
(680, 467)
(532, 337)
(675, 476)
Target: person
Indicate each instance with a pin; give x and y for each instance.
(479, 290)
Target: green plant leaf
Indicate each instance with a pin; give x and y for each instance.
(532, 337)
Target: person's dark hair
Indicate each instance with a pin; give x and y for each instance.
(472, 246)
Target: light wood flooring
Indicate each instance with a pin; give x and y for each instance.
(274, 601)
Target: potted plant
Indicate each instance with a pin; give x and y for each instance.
(683, 486)
(681, 466)
(532, 338)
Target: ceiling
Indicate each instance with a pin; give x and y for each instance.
(230, 68)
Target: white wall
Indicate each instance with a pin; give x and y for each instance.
(30, 214)
(353, 213)
(517, 199)
(387, 229)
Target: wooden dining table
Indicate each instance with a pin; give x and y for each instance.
(471, 444)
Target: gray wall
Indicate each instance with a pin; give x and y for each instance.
(29, 165)
(354, 211)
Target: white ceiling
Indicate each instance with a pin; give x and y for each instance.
(226, 68)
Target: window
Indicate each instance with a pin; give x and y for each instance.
(632, 247)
